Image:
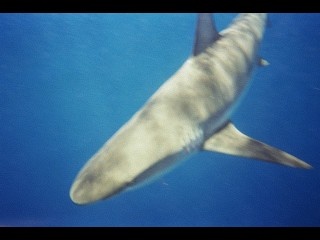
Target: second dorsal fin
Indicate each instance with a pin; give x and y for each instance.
(206, 33)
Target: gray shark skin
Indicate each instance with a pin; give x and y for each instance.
(190, 112)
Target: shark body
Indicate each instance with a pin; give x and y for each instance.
(190, 112)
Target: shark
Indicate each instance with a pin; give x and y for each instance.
(190, 112)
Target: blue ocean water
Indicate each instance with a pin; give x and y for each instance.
(69, 81)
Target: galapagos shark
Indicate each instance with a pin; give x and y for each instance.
(190, 112)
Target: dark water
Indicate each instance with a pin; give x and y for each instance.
(69, 81)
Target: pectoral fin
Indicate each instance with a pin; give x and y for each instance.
(230, 140)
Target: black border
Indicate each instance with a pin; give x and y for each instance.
(161, 233)
(124, 6)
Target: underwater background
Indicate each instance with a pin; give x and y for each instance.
(69, 81)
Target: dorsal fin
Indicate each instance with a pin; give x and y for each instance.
(206, 33)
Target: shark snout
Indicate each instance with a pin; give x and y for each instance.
(81, 193)
(94, 183)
